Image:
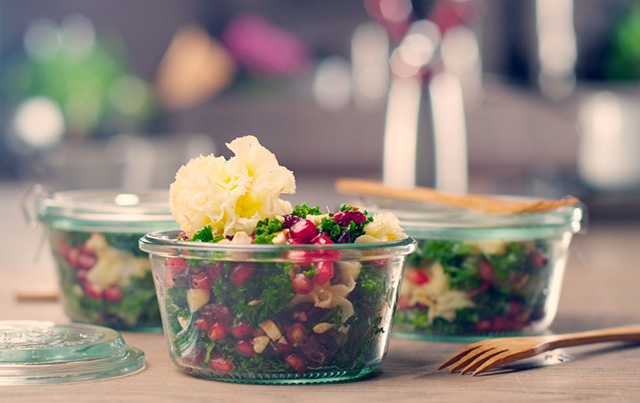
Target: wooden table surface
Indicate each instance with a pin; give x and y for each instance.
(600, 290)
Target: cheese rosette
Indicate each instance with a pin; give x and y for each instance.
(231, 195)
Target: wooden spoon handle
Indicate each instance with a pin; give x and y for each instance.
(486, 204)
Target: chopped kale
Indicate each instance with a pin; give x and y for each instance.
(303, 210)
(266, 229)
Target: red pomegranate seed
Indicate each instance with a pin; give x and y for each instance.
(344, 218)
(282, 346)
(322, 239)
(219, 363)
(289, 220)
(297, 334)
(113, 294)
(245, 348)
(175, 263)
(417, 277)
(203, 324)
(85, 260)
(72, 257)
(93, 291)
(325, 272)
(241, 274)
(483, 326)
(241, 330)
(303, 230)
(201, 280)
(403, 303)
(538, 259)
(485, 271)
(194, 357)
(301, 284)
(296, 362)
(217, 312)
(218, 331)
(214, 270)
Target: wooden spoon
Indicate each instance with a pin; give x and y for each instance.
(485, 204)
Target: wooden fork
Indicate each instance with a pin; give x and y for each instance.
(487, 354)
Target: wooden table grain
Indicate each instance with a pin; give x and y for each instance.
(601, 289)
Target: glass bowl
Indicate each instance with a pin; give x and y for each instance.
(476, 275)
(104, 278)
(251, 313)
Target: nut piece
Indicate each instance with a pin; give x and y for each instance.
(260, 343)
(254, 302)
(197, 298)
(271, 329)
(322, 327)
(184, 321)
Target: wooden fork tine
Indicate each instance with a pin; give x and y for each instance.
(461, 353)
(479, 360)
(503, 358)
(466, 360)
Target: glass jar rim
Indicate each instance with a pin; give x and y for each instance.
(113, 206)
(164, 243)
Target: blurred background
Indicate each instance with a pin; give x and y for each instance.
(534, 97)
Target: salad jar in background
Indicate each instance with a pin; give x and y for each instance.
(104, 278)
(249, 313)
(476, 275)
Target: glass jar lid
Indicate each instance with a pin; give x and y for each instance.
(106, 209)
(428, 220)
(42, 352)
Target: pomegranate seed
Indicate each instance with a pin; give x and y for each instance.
(175, 263)
(301, 284)
(203, 324)
(282, 346)
(241, 330)
(485, 271)
(303, 230)
(183, 237)
(498, 324)
(325, 272)
(72, 257)
(417, 277)
(214, 270)
(85, 261)
(483, 326)
(344, 218)
(245, 348)
(217, 312)
(113, 294)
(93, 291)
(315, 359)
(322, 239)
(403, 303)
(241, 274)
(219, 363)
(194, 357)
(297, 334)
(218, 331)
(296, 362)
(201, 280)
(538, 259)
(289, 220)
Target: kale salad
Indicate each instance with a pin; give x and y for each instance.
(105, 279)
(468, 288)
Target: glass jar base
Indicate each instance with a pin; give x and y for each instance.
(285, 378)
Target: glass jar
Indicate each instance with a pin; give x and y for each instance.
(251, 313)
(104, 278)
(476, 275)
